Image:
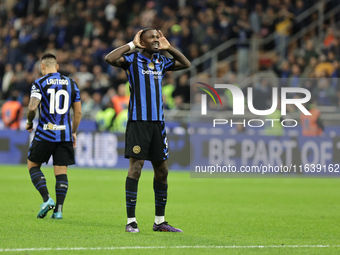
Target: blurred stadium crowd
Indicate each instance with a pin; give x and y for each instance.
(81, 32)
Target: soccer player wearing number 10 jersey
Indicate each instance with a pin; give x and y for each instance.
(54, 95)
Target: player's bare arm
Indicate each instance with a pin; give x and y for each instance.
(32, 109)
(76, 121)
(115, 58)
(181, 62)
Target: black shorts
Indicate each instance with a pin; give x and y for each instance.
(62, 152)
(146, 140)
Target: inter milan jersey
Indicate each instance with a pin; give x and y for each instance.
(56, 94)
(145, 77)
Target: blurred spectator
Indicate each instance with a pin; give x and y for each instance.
(283, 30)
(11, 112)
(7, 80)
(182, 91)
(101, 80)
(121, 100)
(324, 94)
(105, 118)
(329, 38)
(310, 51)
(324, 68)
(255, 18)
(121, 121)
(243, 31)
(312, 125)
(87, 105)
(83, 76)
(168, 100)
(262, 94)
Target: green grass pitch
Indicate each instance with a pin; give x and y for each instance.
(240, 212)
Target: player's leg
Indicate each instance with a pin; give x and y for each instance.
(160, 187)
(137, 139)
(61, 187)
(63, 156)
(40, 152)
(38, 179)
(131, 188)
(160, 153)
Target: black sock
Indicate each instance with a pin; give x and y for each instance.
(39, 182)
(161, 194)
(60, 191)
(131, 186)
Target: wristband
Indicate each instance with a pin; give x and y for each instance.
(29, 122)
(131, 45)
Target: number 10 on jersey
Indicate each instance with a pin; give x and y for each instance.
(55, 101)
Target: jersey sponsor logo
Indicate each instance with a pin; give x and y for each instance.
(136, 149)
(56, 82)
(152, 72)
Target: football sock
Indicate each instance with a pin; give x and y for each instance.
(161, 193)
(129, 220)
(131, 186)
(60, 191)
(159, 219)
(39, 182)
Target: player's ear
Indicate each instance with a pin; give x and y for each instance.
(142, 42)
(42, 67)
(57, 67)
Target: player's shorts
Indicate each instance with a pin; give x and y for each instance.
(146, 140)
(62, 152)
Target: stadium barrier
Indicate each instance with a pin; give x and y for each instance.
(102, 149)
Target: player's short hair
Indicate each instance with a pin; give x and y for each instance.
(146, 30)
(48, 59)
(48, 55)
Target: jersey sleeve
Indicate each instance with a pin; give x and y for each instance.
(36, 91)
(168, 63)
(128, 60)
(76, 96)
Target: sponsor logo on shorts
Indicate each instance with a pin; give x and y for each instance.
(136, 149)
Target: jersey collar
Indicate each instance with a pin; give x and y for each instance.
(155, 56)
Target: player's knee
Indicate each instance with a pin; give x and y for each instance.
(135, 173)
(161, 175)
(135, 170)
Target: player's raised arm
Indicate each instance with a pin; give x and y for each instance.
(115, 57)
(181, 62)
(76, 121)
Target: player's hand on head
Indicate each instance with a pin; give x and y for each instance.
(163, 42)
(137, 40)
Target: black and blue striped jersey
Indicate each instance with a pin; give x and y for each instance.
(145, 77)
(56, 93)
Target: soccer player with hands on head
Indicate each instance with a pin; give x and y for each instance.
(145, 132)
